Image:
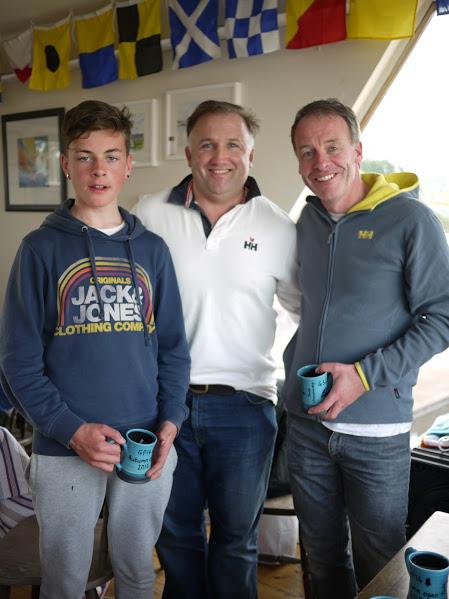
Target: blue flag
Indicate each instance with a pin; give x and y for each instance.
(95, 37)
(443, 7)
(194, 31)
(251, 27)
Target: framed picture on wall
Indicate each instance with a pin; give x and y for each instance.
(31, 152)
(144, 131)
(180, 103)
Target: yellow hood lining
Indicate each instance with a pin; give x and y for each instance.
(383, 187)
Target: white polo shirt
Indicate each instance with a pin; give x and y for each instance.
(228, 278)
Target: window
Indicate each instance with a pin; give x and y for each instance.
(409, 130)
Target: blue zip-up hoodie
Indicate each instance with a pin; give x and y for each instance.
(76, 346)
(374, 292)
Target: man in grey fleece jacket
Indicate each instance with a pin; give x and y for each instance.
(374, 278)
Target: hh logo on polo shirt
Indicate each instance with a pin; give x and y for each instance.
(363, 234)
(250, 245)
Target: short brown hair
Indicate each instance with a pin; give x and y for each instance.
(94, 115)
(332, 107)
(222, 107)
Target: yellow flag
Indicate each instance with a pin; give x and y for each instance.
(381, 19)
(51, 55)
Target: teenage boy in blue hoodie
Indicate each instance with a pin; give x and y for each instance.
(93, 344)
(375, 307)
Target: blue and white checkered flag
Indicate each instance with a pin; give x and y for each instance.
(194, 31)
(251, 27)
(443, 7)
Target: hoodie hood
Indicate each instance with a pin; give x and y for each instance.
(63, 220)
(383, 187)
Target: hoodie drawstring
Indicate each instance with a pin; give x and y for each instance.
(138, 299)
(136, 291)
(93, 264)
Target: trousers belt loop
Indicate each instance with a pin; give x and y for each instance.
(199, 389)
(212, 389)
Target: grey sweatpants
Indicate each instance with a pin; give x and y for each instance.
(68, 495)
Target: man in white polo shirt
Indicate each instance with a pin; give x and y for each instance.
(233, 250)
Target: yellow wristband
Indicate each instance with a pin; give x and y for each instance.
(362, 376)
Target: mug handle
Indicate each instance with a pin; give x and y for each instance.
(123, 450)
(407, 555)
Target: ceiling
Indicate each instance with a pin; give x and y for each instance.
(41, 12)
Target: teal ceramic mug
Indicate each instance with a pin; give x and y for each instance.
(313, 387)
(136, 456)
(428, 574)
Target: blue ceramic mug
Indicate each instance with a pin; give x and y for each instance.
(313, 387)
(136, 456)
(428, 574)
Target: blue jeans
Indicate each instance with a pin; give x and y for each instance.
(341, 482)
(224, 450)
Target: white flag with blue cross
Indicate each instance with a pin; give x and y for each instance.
(194, 31)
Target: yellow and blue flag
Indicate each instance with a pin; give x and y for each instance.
(95, 39)
(381, 19)
(139, 34)
(51, 55)
(194, 31)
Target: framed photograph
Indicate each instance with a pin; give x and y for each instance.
(180, 103)
(144, 131)
(31, 150)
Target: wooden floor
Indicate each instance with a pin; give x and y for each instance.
(275, 582)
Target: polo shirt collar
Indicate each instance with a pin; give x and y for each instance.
(182, 194)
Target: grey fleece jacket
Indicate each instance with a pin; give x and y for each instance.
(375, 292)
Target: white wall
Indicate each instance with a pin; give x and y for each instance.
(274, 86)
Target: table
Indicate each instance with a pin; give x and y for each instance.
(393, 579)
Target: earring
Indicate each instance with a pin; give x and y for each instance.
(67, 176)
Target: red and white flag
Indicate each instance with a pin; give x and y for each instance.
(19, 50)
